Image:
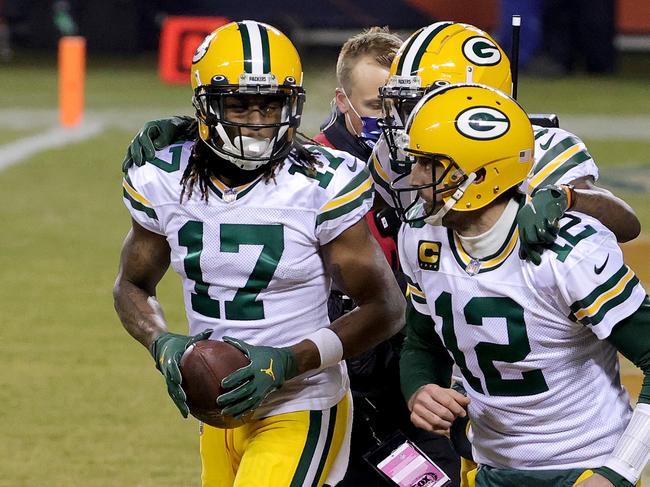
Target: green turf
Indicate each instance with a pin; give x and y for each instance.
(82, 401)
(8, 135)
(83, 404)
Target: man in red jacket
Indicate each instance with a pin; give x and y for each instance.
(362, 68)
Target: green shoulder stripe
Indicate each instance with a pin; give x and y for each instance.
(555, 151)
(376, 177)
(612, 303)
(346, 208)
(575, 160)
(354, 183)
(603, 288)
(617, 289)
(150, 212)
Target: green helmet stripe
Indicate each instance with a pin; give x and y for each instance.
(246, 44)
(405, 51)
(425, 44)
(266, 52)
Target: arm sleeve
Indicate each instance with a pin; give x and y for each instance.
(424, 359)
(379, 167)
(349, 194)
(631, 337)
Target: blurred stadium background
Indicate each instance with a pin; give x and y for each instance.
(81, 402)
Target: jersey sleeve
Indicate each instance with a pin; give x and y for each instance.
(141, 208)
(379, 167)
(560, 157)
(406, 245)
(592, 279)
(349, 194)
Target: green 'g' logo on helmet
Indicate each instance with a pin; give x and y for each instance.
(482, 123)
(481, 51)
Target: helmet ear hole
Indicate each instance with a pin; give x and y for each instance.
(480, 176)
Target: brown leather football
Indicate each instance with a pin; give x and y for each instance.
(203, 366)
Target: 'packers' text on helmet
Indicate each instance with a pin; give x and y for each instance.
(482, 141)
(243, 68)
(437, 55)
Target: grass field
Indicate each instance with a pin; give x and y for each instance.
(82, 404)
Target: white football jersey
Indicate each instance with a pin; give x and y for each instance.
(560, 157)
(529, 340)
(249, 257)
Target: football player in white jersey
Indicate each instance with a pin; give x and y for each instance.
(450, 52)
(258, 226)
(536, 344)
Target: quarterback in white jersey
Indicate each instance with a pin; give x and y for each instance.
(536, 344)
(259, 227)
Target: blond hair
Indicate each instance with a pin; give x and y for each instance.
(376, 42)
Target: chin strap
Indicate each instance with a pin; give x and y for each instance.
(436, 218)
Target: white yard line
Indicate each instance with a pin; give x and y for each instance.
(15, 152)
(585, 126)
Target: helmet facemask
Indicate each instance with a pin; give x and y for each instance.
(222, 109)
(451, 185)
(398, 103)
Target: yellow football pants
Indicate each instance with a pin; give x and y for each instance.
(292, 450)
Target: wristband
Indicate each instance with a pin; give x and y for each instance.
(569, 189)
(632, 451)
(329, 346)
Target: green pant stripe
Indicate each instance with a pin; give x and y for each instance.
(315, 420)
(328, 445)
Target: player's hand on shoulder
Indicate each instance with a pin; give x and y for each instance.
(538, 221)
(434, 408)
(247, 387)
(155, 135)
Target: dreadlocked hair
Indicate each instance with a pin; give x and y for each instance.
(199, 168)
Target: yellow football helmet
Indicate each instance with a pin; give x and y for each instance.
(241, 59)
(437, 55)
(482, 138)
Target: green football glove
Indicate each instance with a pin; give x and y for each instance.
(167, 351)
(155, 135)
(538, 222)
(248, 386)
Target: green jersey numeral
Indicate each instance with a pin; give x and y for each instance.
(244, 305)
(176, 151)
(563, 251)
(516, 350)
